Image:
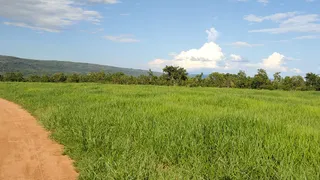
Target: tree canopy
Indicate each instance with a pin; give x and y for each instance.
(174, 75)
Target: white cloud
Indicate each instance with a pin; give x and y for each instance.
(290, 23)
(30, 27)
(236, 58)
(46, 15)
(244, 44)
(97, 30)
(125, 38)
(275, 62)
(296, 70)
(207, 56)
(159, 64)
(253, 18)
(265, 2)
(105, 1)
(212, 34)
(211, 56)
(274, 17)
(307, 37)
(125, 14)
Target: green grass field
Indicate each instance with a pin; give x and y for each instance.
(151, 132)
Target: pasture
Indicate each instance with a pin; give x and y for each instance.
(160, 132)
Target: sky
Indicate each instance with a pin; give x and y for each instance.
(201, 36)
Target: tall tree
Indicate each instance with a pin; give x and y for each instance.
(34, 78)
(261, 79)
(59, 77)
(73, 78)
(13, 76)
(175, 74)
(216, 79)
(311, 80)
(287, 83)
(298, 83)
(242, 81)
(277, 79)
(152, 77)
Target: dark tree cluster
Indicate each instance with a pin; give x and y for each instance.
(177, 76)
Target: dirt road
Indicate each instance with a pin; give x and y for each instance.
(26, 152)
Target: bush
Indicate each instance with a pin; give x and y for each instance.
(13, 77)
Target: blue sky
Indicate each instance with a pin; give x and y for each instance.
(202, 36)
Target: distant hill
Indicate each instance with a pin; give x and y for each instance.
(30, 66)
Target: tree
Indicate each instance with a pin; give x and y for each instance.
(311, 80)
(261, 80)
(46, 78)
(216, 79)
(175, 74)
(287, 83)
(242, 81)
(143, 79)
(13, 77)
(59, 77)
(118, 78)
(277, 80)
(318, 84)
(97, 76)
(73, 78)
(298, 83)
(230, 80)
(152, 77)
(196, 81)
(1, 77)
(34, 78)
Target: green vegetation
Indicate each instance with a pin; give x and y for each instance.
(167, 132)
(36, 67)
(177, 76)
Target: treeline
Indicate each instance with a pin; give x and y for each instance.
(177, 76)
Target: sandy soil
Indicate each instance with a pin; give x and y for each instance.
(26, 151)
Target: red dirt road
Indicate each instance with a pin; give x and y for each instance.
(26, 151)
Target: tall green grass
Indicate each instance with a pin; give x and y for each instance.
(150, 132)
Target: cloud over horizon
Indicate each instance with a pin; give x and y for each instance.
(207, 56)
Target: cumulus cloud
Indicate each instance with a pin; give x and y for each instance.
(234, 57)
(275, 62)
(288, 22)
(212, 34)
(211, 56)
(46, 15)
(207, 56)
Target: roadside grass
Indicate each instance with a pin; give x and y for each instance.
(153, 132)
